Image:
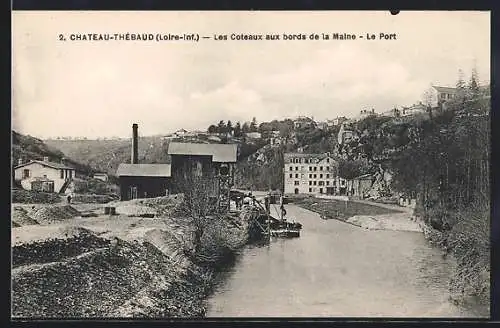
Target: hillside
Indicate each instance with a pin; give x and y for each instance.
(30, 148)
(106, 155)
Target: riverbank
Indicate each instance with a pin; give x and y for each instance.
(467, 243)
(363, 214)
(69, 265)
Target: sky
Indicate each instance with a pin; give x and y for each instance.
(100, 88)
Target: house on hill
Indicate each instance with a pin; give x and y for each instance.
(346, 134)
(437, 96)
(253, 135)
(414, 110)
(303, 122)
(44, 175)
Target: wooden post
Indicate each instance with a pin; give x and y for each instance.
(268, 210)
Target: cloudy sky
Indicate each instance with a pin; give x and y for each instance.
(99, 88)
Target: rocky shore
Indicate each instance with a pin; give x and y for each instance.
(72, 266)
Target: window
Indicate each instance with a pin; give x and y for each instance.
(296, 183)
(45, 175)
(296, 168)
(310, 183)
(328, 168)
(291, 168)
(321, 176)
(70, 174)
(321, 183)
(26, 173)
(328, 183)
(321, 168)
(315, 176)
(315, 168)
(328, 176)
(310, 176)
(328, 160)
(302, 175)
(62, 174)
(291, 175)
(310, 168)
(310, 189)
(296, 176)
(320, 190)
(314, 182)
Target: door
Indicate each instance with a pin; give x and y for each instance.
(132, 192)
(296, 191)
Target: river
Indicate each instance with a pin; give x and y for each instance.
(338, 270)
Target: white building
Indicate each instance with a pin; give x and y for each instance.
(346, 134)
(312, 174)
(414, 110)
(44, 175)
(253, 135)
(101, 176)
(436, 95)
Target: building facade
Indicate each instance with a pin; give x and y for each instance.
(312, 174)
(44, 175)
(212, 163)
(143, 180)
(436, 96)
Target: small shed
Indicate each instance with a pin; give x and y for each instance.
(144, 180)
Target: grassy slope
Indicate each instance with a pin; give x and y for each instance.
(106, 155)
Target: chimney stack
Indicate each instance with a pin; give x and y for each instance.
(20, 161)
(45, 158)
(134, 157)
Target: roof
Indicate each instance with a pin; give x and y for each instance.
(144, 170)
(319, 157)
(444, 89)
(364, 176)
(303, 155)
(53, 165)
(222, 153)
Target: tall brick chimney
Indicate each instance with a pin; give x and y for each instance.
(134, 157)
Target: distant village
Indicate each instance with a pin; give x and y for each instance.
(215, 152)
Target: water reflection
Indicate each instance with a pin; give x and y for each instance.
(336, 269)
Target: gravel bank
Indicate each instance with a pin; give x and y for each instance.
(118, 266)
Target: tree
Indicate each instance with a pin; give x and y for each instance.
(285, 130)
(221, 127)
(237, 130)
(212, 129)
(253, 125)
(229, 127)
(461, 87)
(198, 203)
(245, 128)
